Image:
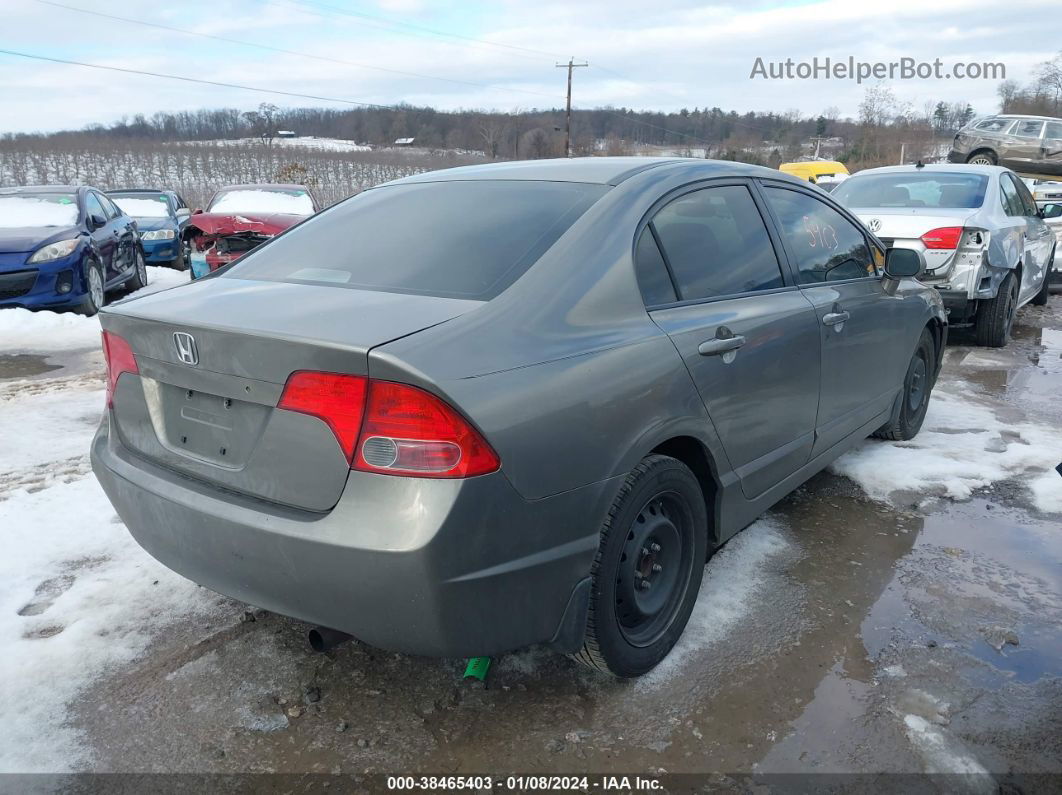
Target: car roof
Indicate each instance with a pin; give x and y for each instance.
(1021, 116)
(260, 185)
(952, 168)
(45, 188)
(594, 170)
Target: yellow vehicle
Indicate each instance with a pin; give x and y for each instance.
(826, 172)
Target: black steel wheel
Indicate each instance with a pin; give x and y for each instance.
(648, 569)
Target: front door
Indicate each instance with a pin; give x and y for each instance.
(857, 322)
(748, 337)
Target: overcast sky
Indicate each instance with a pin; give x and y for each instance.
(664, 54)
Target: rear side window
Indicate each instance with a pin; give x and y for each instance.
(1054, 130)
(653, 278)
(1028, 203)
(826, 245)
(460, 239)
(716, 244)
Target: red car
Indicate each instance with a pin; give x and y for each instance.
(240, 217)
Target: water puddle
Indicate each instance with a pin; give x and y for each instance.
(25, 365)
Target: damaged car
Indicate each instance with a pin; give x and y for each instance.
(987, 248)
(239, 218)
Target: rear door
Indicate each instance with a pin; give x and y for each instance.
(125, 231)
(1051, 155)
(712, 279)
(858, 324)
(1022, 149)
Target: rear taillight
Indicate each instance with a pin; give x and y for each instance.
(391, 428)
(946, 237)
(120, 360)
(336, 398)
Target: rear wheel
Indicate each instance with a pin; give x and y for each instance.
(1040, 299)
(996, 315)
(917, 387)
(94, 291)
(986, 157)
(648, 569)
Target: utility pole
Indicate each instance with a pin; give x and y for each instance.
(568, 110)
(818, 140)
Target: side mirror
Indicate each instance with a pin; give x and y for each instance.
(1051, 211)
(183, 213)
(96, 221)
(901, 263)
(197, 211)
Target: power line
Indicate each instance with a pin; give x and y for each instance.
(198, 80)
(270, 48)
(423, 29)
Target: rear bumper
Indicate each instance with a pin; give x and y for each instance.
(447, 568)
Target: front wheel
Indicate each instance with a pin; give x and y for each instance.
(917, 387)
(94, 289)
(648, 569)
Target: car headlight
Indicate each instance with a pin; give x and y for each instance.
(63, 248)
(158, 234)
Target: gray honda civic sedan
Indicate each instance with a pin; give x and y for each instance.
(488, 407)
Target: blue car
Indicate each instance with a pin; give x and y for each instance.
(160, 216)
(65, 247)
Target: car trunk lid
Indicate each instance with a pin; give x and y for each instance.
(905, 226)
(213, 357)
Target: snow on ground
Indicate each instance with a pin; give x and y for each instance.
(732, 580)
(22, 329)
(962, 446)
(78, 599)
(306, 142)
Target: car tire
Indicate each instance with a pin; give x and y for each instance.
(996, 315)
(139, 279)
(917, 388)
(983, 157)
(180, 262)
(95, 292)
(648, 569)
(1040, 299)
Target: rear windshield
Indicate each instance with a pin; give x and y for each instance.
(940, 190)
(37, 209)
(451, 239)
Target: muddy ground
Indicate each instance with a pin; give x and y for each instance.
(841, 635)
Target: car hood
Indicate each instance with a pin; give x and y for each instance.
(151, 224)
(911, 222)
(233, 223)
(29, 238)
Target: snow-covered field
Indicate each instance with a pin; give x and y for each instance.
(79, 599)
(304, 142)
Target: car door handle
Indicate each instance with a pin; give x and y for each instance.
(718, 347)
(833, 318)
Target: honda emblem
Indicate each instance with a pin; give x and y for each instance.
(187, 351)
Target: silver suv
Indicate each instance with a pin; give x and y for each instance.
(1026, 144)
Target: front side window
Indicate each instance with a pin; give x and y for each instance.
(826, 245)
(716, 244)
(93, 206)
(1011, 200)
(458, 239)
(994, 125)
(1028, 129)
